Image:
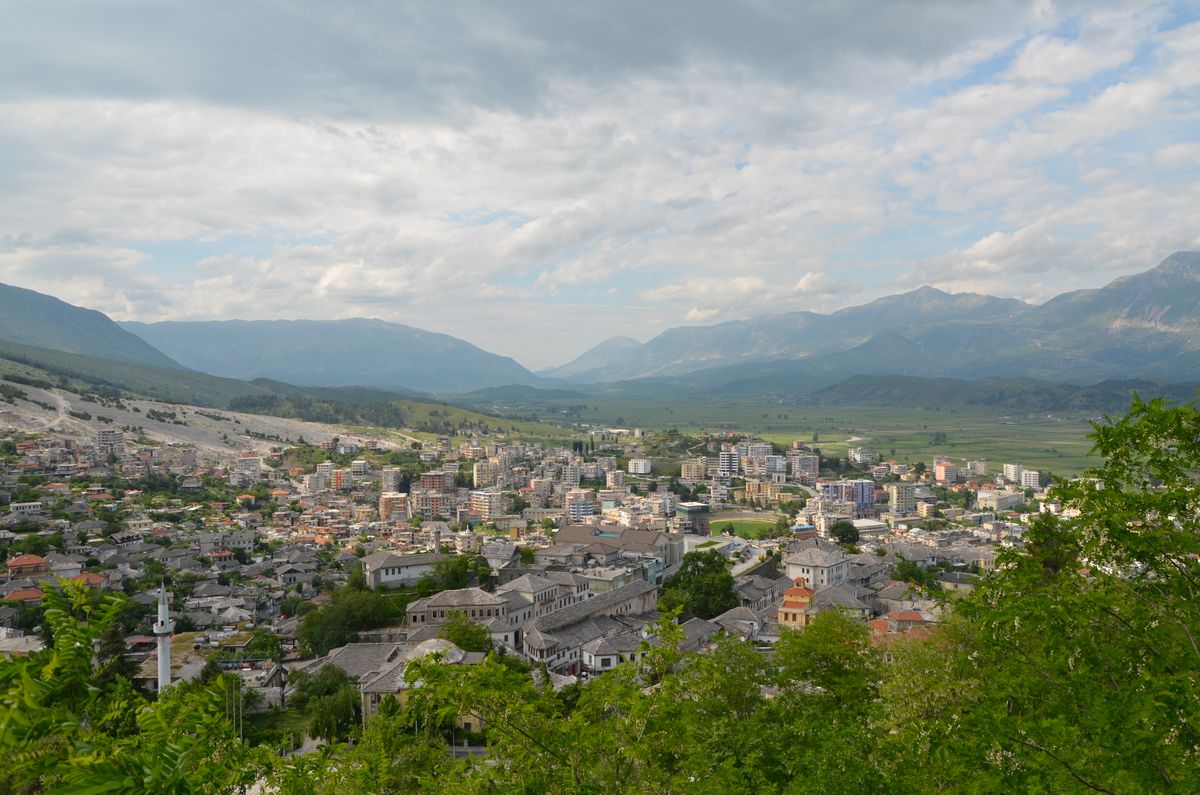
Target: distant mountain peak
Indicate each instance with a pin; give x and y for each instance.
(1181, 263)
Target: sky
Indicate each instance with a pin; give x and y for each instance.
(535, 177)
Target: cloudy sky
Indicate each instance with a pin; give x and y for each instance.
(536, 177)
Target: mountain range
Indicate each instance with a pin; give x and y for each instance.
(1144, 326)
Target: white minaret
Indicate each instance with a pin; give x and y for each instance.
(163, 628)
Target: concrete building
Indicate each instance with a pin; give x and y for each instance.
(110, 441)
(693, 470)
(728, 462)
(945, 471)
(487, 504)
(393, 505)
(805, 466)
(578, 503)
(640, 466)
(860, 456)
(902, 498)
(390, 479)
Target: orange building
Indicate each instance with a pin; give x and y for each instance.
(793, 612)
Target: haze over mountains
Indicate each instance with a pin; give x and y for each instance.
(1143, 326)
(359, 352)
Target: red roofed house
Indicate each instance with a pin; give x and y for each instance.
(30, 596)
(91, 579)
(25, 565)
(796, 601)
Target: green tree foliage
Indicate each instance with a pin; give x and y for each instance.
(60, 732)
(455, 572)
(1073, 667)
(702, 587)
(844, 532)
(464, 633)
(349, 611)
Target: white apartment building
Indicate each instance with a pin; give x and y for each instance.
(1012, 473)
(1030, 479)
(640, 466)
(728, 462)
(860, 456)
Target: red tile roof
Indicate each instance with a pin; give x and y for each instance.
(28, 559)
(25, 595)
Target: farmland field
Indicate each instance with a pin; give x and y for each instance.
(1054, 442)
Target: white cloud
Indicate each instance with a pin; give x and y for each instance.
(681, 163)
(813, 283)
(700, 315)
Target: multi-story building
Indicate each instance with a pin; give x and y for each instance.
(759, 450)
(860, 456)
(693, 470)
(902, 498)
(390, 480)
(360, 468)
(640, 466)
(430, 504)
(110, 441)
(484, 474)
(614, 478)
(571, 475)
(820, 564)
(440, 480)
(997, 500)
(945, 471)
(393, 505)
(728, 462)
(977, 468)
(1012, 473)
(1030, 479)
(341, 480)
(859, 492)
(806, 467)
(579, 503)
(693, 517)
(487, 504)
